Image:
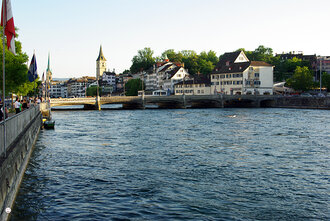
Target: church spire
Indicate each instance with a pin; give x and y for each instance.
(48, 66)
(101, 56)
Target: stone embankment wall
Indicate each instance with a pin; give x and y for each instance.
(303, 102)
(21, 133)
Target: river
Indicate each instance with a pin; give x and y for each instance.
(200, 164)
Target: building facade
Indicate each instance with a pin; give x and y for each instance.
(199, 85)
(235, 74)
(323, 64)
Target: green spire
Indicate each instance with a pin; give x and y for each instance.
(48, 67)
(101, 56)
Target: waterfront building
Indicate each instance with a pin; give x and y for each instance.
(78, 87)
(176, 75)
(323, 64)
(164, 75)
(101, 64)
(199, 85)
(235, 74)
(108, 82)
(58, 89)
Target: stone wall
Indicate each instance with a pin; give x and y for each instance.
(12, 167)
(303, 102)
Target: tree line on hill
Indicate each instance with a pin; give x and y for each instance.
(296, 72)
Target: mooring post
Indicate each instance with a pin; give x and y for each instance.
(98, 103)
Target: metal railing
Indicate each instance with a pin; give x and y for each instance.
(15, 126)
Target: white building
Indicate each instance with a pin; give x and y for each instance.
(164, 75)
(235, 74)
(58, 89)
(108, 82)
(173, 77)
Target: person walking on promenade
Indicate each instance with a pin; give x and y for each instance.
(2, 115)
(1, 111)
(24, 105)
(17, 105)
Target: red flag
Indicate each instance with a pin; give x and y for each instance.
(7, 20)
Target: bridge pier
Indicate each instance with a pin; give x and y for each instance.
(90, 107)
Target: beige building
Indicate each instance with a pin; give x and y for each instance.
(199, 85)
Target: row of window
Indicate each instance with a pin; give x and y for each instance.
(227, 76)
(190, 91)
(253, 82)
(228, 83)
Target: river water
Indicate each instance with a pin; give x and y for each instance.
(200, 164)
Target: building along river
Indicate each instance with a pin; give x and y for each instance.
(202, 164)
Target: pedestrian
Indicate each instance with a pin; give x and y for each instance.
(24, 105)
(1, 111)
(17, 105)
(2, 116)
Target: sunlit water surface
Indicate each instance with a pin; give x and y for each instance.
(201, 164)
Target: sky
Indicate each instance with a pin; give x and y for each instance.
(71, 31)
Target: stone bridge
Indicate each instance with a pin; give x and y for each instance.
(175, 101)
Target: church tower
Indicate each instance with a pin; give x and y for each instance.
(101, 64)
(49, 74)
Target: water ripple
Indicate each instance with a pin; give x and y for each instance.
(201, 164)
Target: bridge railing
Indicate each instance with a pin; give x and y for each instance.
(15, 126)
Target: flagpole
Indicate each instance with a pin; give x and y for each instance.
(4, 77)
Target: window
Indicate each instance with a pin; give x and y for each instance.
(256, 75)
(198, 92)
(202, 91)
(227, 63)
(212, 76)
(217, 83)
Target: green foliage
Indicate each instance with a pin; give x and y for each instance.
(326, 80)
(302, 79)
(133, 86)
(92, 91)
(202, 63)
(143, 61)
(16, 70)
(126, 72)
(172, 55)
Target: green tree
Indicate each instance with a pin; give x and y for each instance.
(190, 60)
(16, 70)
(207, 61)
(172, 55)
(326, 80)
(143, 60)
(92, 91)
(133, 86)
(302, 79)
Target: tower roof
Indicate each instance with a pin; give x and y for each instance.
(48, 66)
(101, 56)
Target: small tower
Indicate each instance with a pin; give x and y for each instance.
(49, 74)
(166, 58)
(101, 64)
